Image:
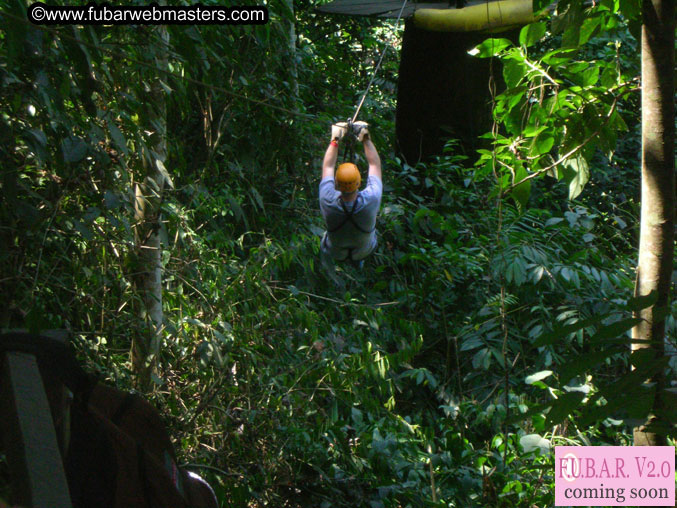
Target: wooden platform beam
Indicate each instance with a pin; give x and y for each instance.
(29, 438)
(385, 8)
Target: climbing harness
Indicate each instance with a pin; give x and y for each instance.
(349, 218)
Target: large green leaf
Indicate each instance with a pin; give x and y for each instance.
(577, 365)
(521, 192)
(73, 149)
(642, 302)
(550, 337)
(514, 71)
(568, 22)
(490, 48)
(630, 9)
(576, 173)
(589, 29)
(542, 144)
(117, 137)
(614, 330)
(563, 407)
(532, 33)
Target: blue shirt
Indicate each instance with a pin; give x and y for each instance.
(349, 240)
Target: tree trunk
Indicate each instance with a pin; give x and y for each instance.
(656, 243)
(148, 194)
(293, 67)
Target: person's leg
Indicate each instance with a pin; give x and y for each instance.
(327, 262)
(325, 256)
(359, 264)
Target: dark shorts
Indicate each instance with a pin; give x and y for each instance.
(349, 256)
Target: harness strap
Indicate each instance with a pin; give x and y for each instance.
(349, 218)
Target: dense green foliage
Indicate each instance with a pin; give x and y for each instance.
(489, 326)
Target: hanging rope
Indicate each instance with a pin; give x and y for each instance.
(350, 138)
(378, 66)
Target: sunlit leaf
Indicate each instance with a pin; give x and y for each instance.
(533, 442)
(538, 376)
(576, 173)
(521, 193)
(532, 33)
(490, 47)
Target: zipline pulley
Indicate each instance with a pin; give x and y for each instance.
(349, 143)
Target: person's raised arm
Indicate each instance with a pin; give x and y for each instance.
(370, 153)
(331, 155)
(372, 157)
(329, 162)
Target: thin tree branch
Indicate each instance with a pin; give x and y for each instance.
(568, 154)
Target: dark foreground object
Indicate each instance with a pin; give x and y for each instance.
(73, 442)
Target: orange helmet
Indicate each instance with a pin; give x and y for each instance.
(348, 178)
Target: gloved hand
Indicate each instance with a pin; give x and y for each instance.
(338, 130)
(361, 130)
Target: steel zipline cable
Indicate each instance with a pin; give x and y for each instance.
(378, 66)
(349, 151)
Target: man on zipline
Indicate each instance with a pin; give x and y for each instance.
(350, 214)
